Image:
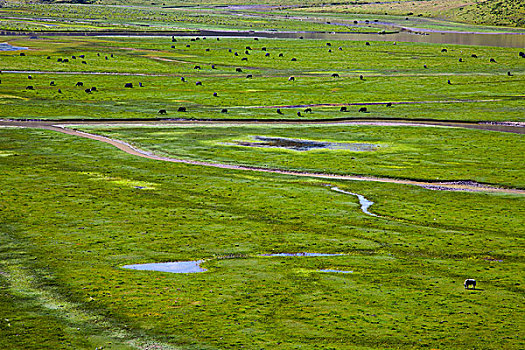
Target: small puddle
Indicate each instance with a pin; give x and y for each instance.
(9, 47)
(305, 145)
(173, 267)
(336, 271)
(365, 203)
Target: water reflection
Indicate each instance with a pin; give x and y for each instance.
(173, 267)
(9, 47)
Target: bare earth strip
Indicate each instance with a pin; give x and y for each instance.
(444, 186)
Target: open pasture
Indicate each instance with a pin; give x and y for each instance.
(414, 152)
(391, 257)
(251, 79)
(76, 210)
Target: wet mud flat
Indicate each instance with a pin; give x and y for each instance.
(304, 145)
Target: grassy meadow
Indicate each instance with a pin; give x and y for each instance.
(379, 73)
(73, 211)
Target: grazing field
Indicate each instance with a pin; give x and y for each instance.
(75, 210)
(414, 152)
(245, 137)
(326, 76)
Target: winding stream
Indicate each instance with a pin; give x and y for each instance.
(365, 203)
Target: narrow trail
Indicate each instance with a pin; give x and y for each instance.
(130, 149)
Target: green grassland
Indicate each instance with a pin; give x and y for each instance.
(72, 215)
(479, 90)
(402, 152)
(64, 17)
(73, 211)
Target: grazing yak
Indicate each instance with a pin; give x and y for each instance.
(84, 62)
(279, 111)
(79, 83)
(162, 111)
(59, 60)
(328, 44)
(267, 54)
(213, 66)
(65, 60)
(59, 91)
(181, 109)
(509, 74)
(363, 110)
(30, 87)
(199, 83)
(461, 60)
(238, 70)
(281, 55)
(469, 282)
(367, 43)
(52, 83)
(343, 109)
(291, 79)
(361, 77)
(74, 57)
(22, 54)
(224, 110)
(244, 59)
(48, 57)
(197, 67)
(82, 56)
(293, 59)
(474, 55)
(522, 54)
(308, 110)
(29, 77)
(215, 94)
(207, 50)
(299, 114)
(140, 85)
(444, 50)
(425, 66)
(389, 104)
(335, 75)
(448, 82)
(88, 91)
(128, 85)
(492, 60)
(263, 48)
(182, 79)
(249, 76)
(93, 88)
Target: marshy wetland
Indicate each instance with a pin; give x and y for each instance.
(273, 213)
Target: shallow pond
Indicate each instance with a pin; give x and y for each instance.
(305, 145)
(194, 266)
(9, 47)
(174, 267)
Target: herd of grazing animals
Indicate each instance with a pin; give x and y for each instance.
(237, 70)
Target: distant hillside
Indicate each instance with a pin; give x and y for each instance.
(498, 12)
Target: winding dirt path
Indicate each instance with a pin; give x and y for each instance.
(130, 149)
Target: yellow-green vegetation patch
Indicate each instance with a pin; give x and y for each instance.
(143, 185)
